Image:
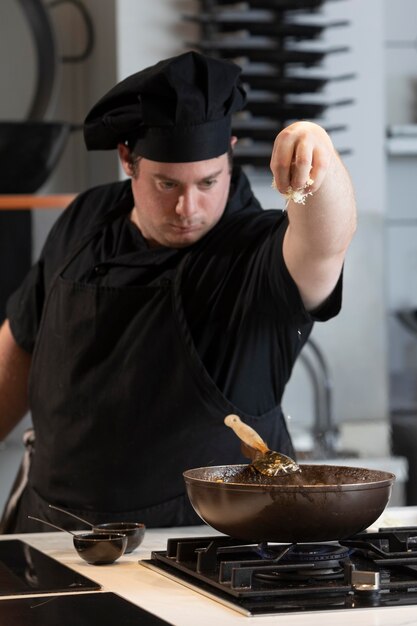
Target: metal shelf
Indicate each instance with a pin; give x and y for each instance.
(269, 39)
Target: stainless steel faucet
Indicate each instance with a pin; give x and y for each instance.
(324, 430)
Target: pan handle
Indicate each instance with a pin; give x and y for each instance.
(89, 30)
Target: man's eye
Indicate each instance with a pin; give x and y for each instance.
(210, 182)
(166, 184)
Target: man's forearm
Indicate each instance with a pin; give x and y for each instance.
(320, 230)
(326, 223)
(14, 376)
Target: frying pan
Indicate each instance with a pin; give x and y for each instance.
(29, 151)
(281, 5)
(323, 503)
(265, 53)
(285, 85)
(274, 108)
(225, 22)
(267, 130)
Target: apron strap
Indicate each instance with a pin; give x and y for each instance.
(20, 482)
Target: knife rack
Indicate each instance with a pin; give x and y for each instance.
(269, 39)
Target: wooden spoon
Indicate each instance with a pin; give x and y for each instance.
(264, 460)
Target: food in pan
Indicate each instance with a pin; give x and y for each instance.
(322, 503)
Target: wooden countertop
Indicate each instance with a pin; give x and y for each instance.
(29, 201)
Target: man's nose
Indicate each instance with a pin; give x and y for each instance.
(186, 204)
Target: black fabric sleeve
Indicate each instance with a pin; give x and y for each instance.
(275, 286)
(24, 308)
(25, 305)
(331, 306)
(266, 286)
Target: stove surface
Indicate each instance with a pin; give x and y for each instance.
(25, 570)
(371, 569)
(89, 609)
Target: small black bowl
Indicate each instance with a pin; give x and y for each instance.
(134, 532)
(100, 548)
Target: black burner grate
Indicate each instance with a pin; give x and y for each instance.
(367, 570)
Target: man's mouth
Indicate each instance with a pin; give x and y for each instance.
(185, 228)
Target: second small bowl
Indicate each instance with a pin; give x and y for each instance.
(134, 531)
(100, 548)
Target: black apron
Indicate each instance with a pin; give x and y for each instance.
(122, 405)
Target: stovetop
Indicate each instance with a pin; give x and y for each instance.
(368, 570)
(87, 609)
(25, 570)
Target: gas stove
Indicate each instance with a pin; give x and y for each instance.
(367, 570)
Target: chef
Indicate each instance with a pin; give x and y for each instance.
(163, 302)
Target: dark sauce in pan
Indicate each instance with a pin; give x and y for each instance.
(313, 475)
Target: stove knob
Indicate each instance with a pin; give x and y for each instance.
(363, 581)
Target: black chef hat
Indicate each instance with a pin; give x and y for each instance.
(176, 111)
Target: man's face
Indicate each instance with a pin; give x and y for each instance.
(177, 203)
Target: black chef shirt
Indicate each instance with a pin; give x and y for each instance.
(244, 311)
